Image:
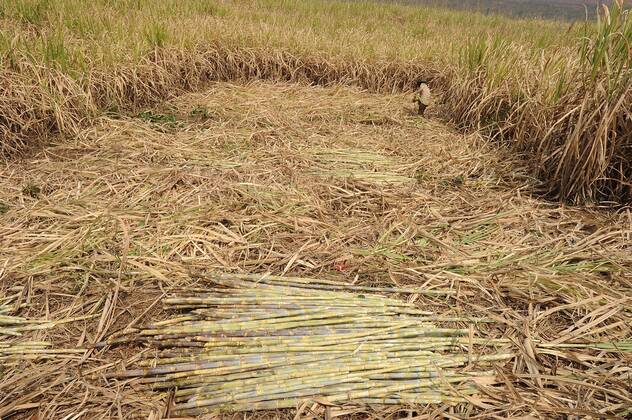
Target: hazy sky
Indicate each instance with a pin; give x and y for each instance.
(564, 9)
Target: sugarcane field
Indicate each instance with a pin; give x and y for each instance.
(324, 209)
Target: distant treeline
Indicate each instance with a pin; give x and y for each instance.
(551, 9)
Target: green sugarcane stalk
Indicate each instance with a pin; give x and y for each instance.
(278, 339)
(162, 383)
(296, 385)
(277, 381)
(345, 396)
(219, 368)
(227, 342)
(335, 286)
(298, 370)
(308, 372)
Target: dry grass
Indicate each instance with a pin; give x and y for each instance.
(38, 101)
(570, 114)
(105, 222)
(557, 92)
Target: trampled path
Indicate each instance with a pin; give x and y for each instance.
(309, 181)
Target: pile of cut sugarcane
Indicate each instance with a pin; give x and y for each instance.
(265, 342)
(11, 325)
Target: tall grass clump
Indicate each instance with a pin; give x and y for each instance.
(569, 113)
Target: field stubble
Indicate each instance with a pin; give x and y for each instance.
(260, 177)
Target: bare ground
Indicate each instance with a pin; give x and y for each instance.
(328, 182)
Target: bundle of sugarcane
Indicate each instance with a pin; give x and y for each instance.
(364, 175)
(18, 351)
(353, 157)
(12, 327)
(17, 325)
(360, 165)
(255, 342)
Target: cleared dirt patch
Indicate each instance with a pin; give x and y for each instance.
(269, 177)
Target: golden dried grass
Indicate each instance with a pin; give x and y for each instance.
(560, 94)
